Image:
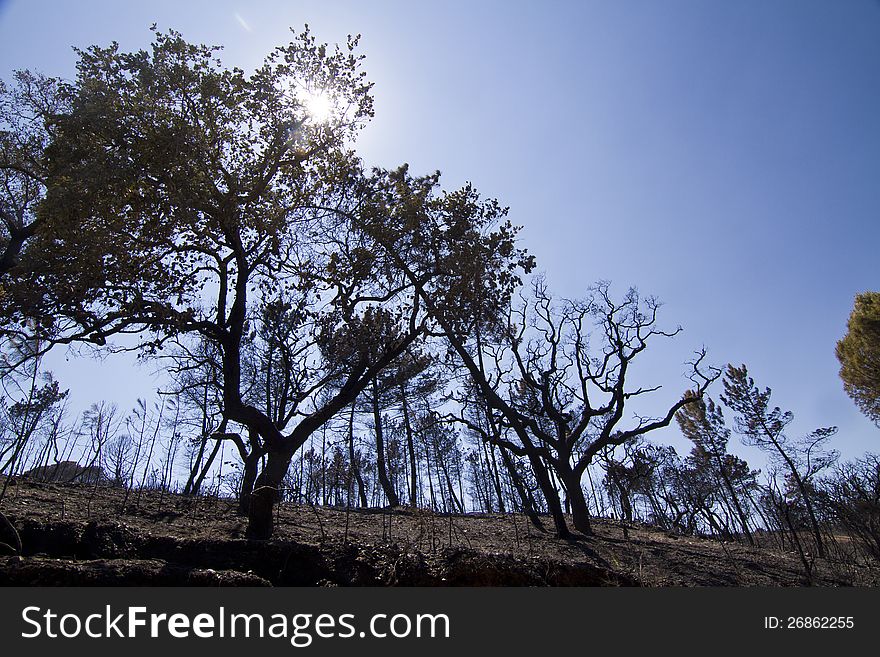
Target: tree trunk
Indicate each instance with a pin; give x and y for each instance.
(734, 498)
(353, 464)
(200, 479)
(525, 500)
(440, 463)
(196, 465)
(551, 495)
(817, 534)
(410, 444)
(265, 494)
(248, 479)
(431, 495)
(492, 465)
(580, 512)
(382, 471)
(623, 494)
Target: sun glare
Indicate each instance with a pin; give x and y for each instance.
(319, 105)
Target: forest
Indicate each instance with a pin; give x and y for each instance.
(346, 339)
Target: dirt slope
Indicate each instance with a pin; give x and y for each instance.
(82, 534)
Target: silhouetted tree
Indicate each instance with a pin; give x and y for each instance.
(118, 458)
(764, 427)
(703, 423)
(31, 402)
(852, 493)
(564, 387)
(202, 194)
(196, 381)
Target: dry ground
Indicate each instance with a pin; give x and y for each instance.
(81, 534)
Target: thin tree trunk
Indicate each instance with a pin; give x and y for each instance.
(527, 505)
(734, 498)
(551, 495)
(430, 480)
(355, 466)
(807, 501)
(492, 465)
(200, 479)
(381, 468)
(438, 459)
(410, 445)
(623, 494)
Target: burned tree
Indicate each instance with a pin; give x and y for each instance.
(703, 423)
(764, 427)
(852, 494)
(564, 399)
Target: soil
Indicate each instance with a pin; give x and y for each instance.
(97, 535)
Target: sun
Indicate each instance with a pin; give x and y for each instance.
(319, 105)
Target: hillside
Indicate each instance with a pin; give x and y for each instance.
(77, 534)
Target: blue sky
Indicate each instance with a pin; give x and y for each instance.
(722, 156)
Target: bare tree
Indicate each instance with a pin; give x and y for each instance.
(562, 388)
(35, 403)
(852, 493)
(119, 458)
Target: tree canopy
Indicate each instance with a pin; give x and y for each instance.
(27, 111)
(859, 355)
(185, 201)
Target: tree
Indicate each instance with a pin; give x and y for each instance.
(565, 389)
(204, 197)
(100, 426)
(703, 423)
(764, 427)
(193, 176)
(859, 355)
(853, 496)
(442, 454)
(194, 188)
(118, 459)
(195, 373)
(31, 402)
(378, 398)
(402, 383)
(415, 381)
(729, 479)
(695, 492)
